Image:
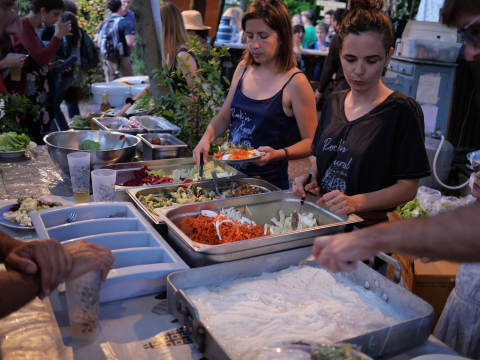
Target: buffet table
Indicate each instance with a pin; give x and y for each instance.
(137, 328)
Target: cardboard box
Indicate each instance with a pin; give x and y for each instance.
(432, 282)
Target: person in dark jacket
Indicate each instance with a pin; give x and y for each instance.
(332, 63)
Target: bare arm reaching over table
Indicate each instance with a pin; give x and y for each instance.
(452, 236)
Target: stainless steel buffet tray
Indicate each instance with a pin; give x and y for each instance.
(113, 123)
(379, 343)
(125, 171)
(159, 152)
(263, 207)
(208, 185)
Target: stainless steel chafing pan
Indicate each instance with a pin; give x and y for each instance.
(379, 343)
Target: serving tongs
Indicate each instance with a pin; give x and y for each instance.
(294, 217)
(200, 169)
(215, 182)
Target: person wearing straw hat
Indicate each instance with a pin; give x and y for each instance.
(193, 22)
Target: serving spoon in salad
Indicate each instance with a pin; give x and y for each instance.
(215, 182)
(294, 218)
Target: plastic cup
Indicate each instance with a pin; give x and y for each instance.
(103, 182)
(79, 165)
(16, 72)
(83, 302)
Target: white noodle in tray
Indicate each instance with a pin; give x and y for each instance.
(309, 304)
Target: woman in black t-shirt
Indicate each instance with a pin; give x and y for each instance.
(369, 143)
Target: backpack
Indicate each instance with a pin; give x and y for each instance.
(88, 52)
(110, 45)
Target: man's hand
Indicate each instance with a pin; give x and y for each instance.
(87, 257)
(48, 256)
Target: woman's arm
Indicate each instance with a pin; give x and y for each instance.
(123, 110)
(188, 71)
(221, 122)
(42, 56)
(400, 193)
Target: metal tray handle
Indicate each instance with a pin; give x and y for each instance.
(396, 266)
(191, 320)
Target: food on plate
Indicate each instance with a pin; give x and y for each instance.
(11, 141)
(80, 121)
(145, 176)
(18, 213)
(307, 303)
(213, 228)
(142, 104)
(193, 194)
(334, 352)
(229, 151)
(90, 145)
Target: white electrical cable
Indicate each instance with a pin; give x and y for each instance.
(435, 170)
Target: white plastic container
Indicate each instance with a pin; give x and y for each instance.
(425, 49)
(137, 88)
(116, 93)
(134, 80)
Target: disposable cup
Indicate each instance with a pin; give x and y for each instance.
(79, 166)
(83, 302)
(16, 72)
(103, 182)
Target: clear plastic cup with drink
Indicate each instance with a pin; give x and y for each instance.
(83, 302)
(103, 183)
(79, 165)
(16, 72)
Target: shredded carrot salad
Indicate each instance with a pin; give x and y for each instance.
(202, 229)
(236, 155)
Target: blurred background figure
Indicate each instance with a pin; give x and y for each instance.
(65, 79)
(308, 22)
(298, 37)
(329, 21)
(320, 44)
(193, 22)
(296, 19)
(237, 14)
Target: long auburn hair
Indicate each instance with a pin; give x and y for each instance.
(277, 17)
(174, 33)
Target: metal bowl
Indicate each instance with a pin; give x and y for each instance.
(62, 143)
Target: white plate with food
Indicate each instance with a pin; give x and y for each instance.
(232, 154)
(80, 123)
(16, 215)
(17, 153)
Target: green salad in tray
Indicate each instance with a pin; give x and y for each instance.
(410, 210)
(90, 145)
(11, 141)
(79, 121)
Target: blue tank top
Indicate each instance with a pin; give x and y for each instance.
(258, 123)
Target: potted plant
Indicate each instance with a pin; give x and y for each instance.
(13, 108)
(192, 107)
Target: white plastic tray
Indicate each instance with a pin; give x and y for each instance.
(143, 259)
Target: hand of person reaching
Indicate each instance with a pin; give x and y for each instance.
(300, 189)
(340, 252)
(47, 256)
(200, 150)
(270, 155)
(88, 257)
(12, 61)
(63, 29)
(317, 95)
(339, 203)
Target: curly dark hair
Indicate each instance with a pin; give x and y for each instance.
(366, 15)
(49, 5)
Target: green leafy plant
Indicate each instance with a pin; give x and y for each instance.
(13, 108)
(192, 107)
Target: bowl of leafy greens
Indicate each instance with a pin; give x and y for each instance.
(15, 145)
(98, 143)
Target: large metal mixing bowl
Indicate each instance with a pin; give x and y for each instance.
(62, 143)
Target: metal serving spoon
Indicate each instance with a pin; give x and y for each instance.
(294, 218)
(200, 170)
(215, 182)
